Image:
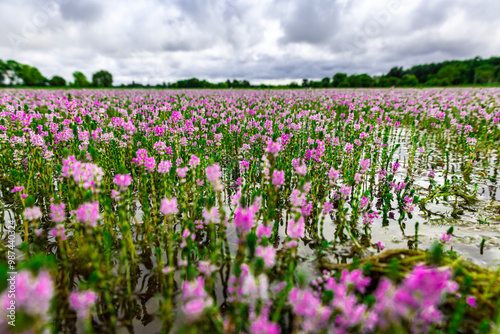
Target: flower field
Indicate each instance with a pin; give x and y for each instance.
(229, 211)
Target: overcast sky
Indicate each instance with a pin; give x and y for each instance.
(272, 41)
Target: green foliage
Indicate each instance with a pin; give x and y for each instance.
(31, 76)
(338, 79)
(484, 74)
(80, 80)
(396, 72)
(102, 79)
(57, 81)
(3, 69)
(409, 80)
(325, 82)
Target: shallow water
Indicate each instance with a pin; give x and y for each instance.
(466, 241)
(137, 313)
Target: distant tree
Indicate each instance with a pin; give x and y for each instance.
(434, 81)
(365, 80)
(384, 81)
(344, 84)
(409, 80)
(305, 83)
(31, 76)
(236, 83)
(3, 71)
(315, 84)
(396, 72)
(338, 78)
(223, 85)
(13, 68)
(102, 79)
(293, 84)
(452, 74)
(57, 81)
(325, 82)
(484, 74)
(354, 81)
(80, 80)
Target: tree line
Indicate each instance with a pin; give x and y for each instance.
(476, 71)
(13, 73)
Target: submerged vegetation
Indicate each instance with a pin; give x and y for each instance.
(319, 211)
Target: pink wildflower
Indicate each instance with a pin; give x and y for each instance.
(88, 213)
(169, 206)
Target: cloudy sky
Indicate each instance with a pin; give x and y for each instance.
(272, 41)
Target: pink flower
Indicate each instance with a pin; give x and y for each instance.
(15, 189)
(243, 219)
(263, 231)
(59, 232)
(306, 209)
(244, 165)
(181, 172)
(194, 161)
(395, 167)
(166, 270)
(81, 302)
(193, 309)
(164, 167)
(327, 208)
(304, 302)
(150, 164)
(169, 206)
(213, 172)
(408, 206)
(364, 164)
(88, 213)
(432, 173)
(345, 191)
(196, 299)
(297, 198)
(33, 213)
(445, 237)
(380, 245)
(123, 181)
(333, 174)
(273, 147)
(211, 216)
(278, 178)
(206, 268)
(268, 254)
(262, 325)
(85, 174)
(57, 213)
(301, 170)
(32, 295)
(471, 300)
(364, 202)
(296, 228)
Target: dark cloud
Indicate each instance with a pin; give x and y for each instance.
(80, 10)
(431, 14)
(167, 40)
(312, 22)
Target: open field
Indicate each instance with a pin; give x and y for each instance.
(315, 211)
